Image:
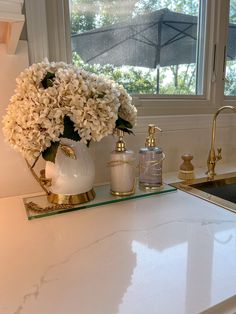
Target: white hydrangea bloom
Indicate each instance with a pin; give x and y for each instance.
(35, 116)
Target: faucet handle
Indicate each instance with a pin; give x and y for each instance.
(219, 156)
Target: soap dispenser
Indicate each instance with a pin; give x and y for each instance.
(122, 168)
(150, 161)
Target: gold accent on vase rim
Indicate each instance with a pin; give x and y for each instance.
(71, 199)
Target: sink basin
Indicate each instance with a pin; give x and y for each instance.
(220, 191)
(223, 188)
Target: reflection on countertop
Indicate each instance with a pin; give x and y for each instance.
(170, 253)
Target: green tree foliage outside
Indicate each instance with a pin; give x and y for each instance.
(91, 14)
(138, 81)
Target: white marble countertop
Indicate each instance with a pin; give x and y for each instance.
(171, 253)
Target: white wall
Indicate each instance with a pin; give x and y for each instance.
(181, 134)
(14, 178)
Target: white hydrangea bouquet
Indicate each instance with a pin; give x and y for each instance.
(57, 105)
(57, 100)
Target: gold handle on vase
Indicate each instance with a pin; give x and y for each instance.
(41, 181)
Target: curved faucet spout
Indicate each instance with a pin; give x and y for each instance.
(212, 157)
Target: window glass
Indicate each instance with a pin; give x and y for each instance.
(149, 46)
(230, 82)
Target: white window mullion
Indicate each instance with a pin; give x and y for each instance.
(220, 55)
(201, 55)
(36, 30)
(48, 27)
(58, 21)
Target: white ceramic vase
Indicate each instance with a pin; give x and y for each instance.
(71, 179)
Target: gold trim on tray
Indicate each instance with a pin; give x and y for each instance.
(71, 199)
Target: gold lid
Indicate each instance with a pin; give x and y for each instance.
(151, 139)
(120, 144)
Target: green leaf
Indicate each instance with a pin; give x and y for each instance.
(121, 123)
(69, 131)
(47, 81)
(124, 125)
(49, 154)
(88, 143)
(101, 95)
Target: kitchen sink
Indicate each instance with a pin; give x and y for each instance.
(220, 191)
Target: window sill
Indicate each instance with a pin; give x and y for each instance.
(185, 122)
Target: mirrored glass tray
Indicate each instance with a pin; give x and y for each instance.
(38, 206)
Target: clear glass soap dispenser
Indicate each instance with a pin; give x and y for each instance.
(122, 168)
(150, 161)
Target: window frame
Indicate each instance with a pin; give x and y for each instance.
(49, 36)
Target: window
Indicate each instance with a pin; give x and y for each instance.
(150, 47)
(188, 78)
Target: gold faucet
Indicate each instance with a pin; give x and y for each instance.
(212, 157)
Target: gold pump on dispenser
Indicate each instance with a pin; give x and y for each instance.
(150, 161)
(151, 139)
(120, 144)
